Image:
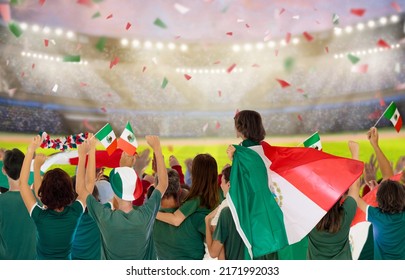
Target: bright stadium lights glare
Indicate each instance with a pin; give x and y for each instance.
(136, 43)
(360, 26)
(375, 50)
(383, 20)
(177, 70)
(223, 70)
(58, 31)
(397, 45)
(335, 56)
(40, 56)
(28, 54)
(34, 55)
(212, 71)
(194, 71)
(200, 71)
(147, 44)
(70, 34)
(46, 30)
(35, 28)
(348, 29)
(86, 62)
(283, 43)
(159, 45)
(206, 71)
(46, 57)
(295, 41)
(371, 23)
(394, 18)
(51, 58)
(236, 48)
(259, 46)
(271, 44)
(58, 59)
(363, 52)
(341, 55)
(22, 53)
(218, 71)
(183, 47)
(124, 42)
(247, 47)
(23, 26)
(337, 31)
(240, 70)
(171, 46)
(370, 51)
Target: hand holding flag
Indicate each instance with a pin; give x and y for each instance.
(393, 115)
(107, 137)
(127, 141)
(313, 141)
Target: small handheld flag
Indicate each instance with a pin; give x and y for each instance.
(393, 115)
(107, 137)
(127, 141)
(313, 141)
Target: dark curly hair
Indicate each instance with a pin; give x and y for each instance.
(56, 190)
(13, 160)
(391, 197)
(249, 124)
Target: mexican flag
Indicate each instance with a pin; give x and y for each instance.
(393, 115)
(313, 141)
(127, 141)
(107, 137)
(279, 194)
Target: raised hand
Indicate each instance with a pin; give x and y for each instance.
(39, 160)
(35, 143)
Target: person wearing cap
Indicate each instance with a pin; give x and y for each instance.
(127, 232)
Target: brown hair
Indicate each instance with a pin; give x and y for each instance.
(56, 190)
(226, 173)
(391, 197)
(204, 181)
(249, 124)
(332, 220)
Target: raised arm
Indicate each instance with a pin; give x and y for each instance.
(354, 190)
(385, 166)
(91, 163)
(154, 142)
(26, 193)
(38, 162)
(81, 189)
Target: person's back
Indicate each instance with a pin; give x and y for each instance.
(17, 229)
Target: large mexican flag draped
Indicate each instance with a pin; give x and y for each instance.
(278, 194)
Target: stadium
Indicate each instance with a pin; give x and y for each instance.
(339, 78)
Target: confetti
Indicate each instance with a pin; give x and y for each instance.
(281, 11)
(204, 128)
(288, 37)
(219, 93)
(100, 45)
(114, 62)
(308, 36)
(300, 90)
(109, 16)
(46, 42)
(382, 102)
(33, 66)
(103, 109)
(396, 6)
(247, 25)
(164, 83)
(41, 2)
(82, 84)
(55, 88)
(353, 59)
(255, 65)
(267, 37)
(299, 118)
(296, 17)
(229, 33)
(71, 58)
(217, 62)
(381, 43)
(5, 12)
(188, 77)
(283, 83)
(181, 9)
(160, 23)
(217, 125)
(85, 2)
(397, 68)
(289, 64)
(239, 20)
(143, 69)
(15, 29)
(96, 15)
(128, 26)
(11, 91)
(88, 126)
(358, 12)
(326, 49)
(362, 68)
(335, 19)
(230, 68)
(154, 60)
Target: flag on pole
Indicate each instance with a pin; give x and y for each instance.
(107, 137)
(304, 183)
(313, 141)
(127, 141)
(393, 115)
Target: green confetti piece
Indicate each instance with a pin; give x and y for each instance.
(15, 29)
(225, 9)
(335, 19)
(16, 2)
(289, 64)
(71, 58)
(101, 44)
(352, 58)
(160, 23)
(96, 15)
(165, 82)
(98, 1)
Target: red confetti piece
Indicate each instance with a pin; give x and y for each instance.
(317, 22)
(382, 102)
(288, 37)
(33, 66)
(128, 26)
(358, 12)
(103, 109)
(326, 49)
(188, 77)
(143, 69)
(281, 11)
(177, 37)
(41, 2)
(109, 16)
(229, 33)
(300, 90)
(267, 37)
(247, 25)
(114, 62)
(88, 3)
(217, 62)
(88, 126)
(46, 42)
(219, 93)
(363, 68)
(300, 118)
(82, 84)
(256, 65)
(308, 36)
(22, 74)
(381, 43)
(283, 83)
(396, 6)
(217, 125)
(229, 70)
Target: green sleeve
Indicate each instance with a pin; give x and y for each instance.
(190, 206)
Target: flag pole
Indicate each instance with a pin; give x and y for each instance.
(383, 114)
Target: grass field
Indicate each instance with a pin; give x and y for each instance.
(392, 144)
